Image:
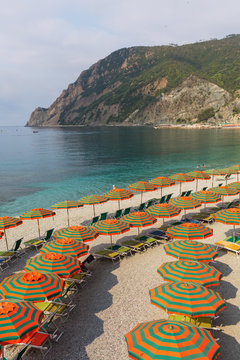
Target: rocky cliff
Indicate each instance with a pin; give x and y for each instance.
(153, 85)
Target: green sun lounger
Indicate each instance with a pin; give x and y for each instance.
(108, 254)
(37, 242)
(123, 250)
(149, 241)
(134, 244)
(201, 321)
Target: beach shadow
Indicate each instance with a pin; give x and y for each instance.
(222, 267)
(228, 316)
(229, 347)
(226, 290)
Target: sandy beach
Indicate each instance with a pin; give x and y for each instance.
(116, 298)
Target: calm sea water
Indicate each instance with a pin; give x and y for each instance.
(39, 169)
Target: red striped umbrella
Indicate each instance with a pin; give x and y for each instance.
(32, 286)
(7, 222)
(80, 233)
(181, 178)
(229, 217)
(67, 205)
(162, 181)
(190, 250)
(164, 210)
(189, 299)
(190, 271)
(207, 196)
(93, 200)
(111, 227)
(118, 194)
(37, 214)
(63, 266)
(189, 231)
(185, 202)
(139, 219)
(142, 186)
(170, 340)
(65, 246)
(18, 322)
(199, 175)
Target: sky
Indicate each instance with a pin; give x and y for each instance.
(44, 45)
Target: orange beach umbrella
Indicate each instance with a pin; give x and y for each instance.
(111, 227)
(164, 210)
(37, 214)
(7, 222)
(189, 231)
(80, 233)
(190, 250)
(65, 246)
(142, 186)
(139, 219)
(198, 175)
(229, 217)
(185, 202)
(93, 200)
(181, 177)
(67, 205)
(119, 194)
(162, 181)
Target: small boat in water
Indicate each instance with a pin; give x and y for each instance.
(35, 131)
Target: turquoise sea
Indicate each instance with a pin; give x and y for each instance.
(39, 169)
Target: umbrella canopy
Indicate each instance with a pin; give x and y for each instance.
(181, 178)
(189, 231)
(63, 266)
(199, 175)
(7, 222)
(169, 340)
(185, 202)
(93, 200)
(185, 298)
(229, 217)
(225, 190)
(37, 214)
(235, 185)
(18, 322)
(212, 172)
(162, 181)
(32, 286)
(139, 219)
(190, 271)
(67, 204)
(190, 250)
(111, 227)
(118, 194)
(142, 186)
(207, 196)
(80, 233)
(164, 210)
(65, 246)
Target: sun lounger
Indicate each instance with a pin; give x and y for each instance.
(123, 250)
(14, 252)
(126, 211)
(39, 341)
(50, 327)
(203, 217)
(108, 254)
(162, 200)
(141, 207)
(118, 214)
(159, 235)
(150, 203)
(229, 246)
(134, 244)
(183, 193)
(204, 188)
(103, 216)
(201, 321)
(234, 239)
(149, 241)
(168, 197)
(37, 242)
(94, 220)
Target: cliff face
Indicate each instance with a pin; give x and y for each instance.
(152, 85)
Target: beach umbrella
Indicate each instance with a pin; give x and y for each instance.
(93, 200)
(212, 172)
(32, 286)
(7, 222)
(225, 190)
(63, 266)
(80, 233)
(185, 298)
(199, 175)
(189, 231)
(191, 250)
(139, 219)
(170, 340)
(235, 169)
(185, 203)
(235, 185)
(229, 217)
(111, 227)
(190, 271)
(162, 181)
(65, 246)
(118, 194)
(142, 186)
(18, 322)
(67, 204)
(181, 178)
(164, 210)
(37, 214)
(207, 196)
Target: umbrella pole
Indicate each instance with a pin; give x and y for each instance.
(161, 191)
(94, 210)
(6, 238)
(68, 216)
(38, 227)
(196, 184)
(111, 239)
(180, 187)
(212, 180)
(141, 197)
(234, 234)
(119, 204)
(138, 231)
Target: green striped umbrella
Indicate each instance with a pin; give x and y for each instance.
(142, 186)
(65, 246)
(181, 178)
(93, 200)
(189, 231)
(235, 185)
(139, 219)
(225, 191)
(169, 340)
(63, 266)
(190, 271)
(80, 233)
(185, 202)
(185, 298)
(227, 171)
(7, 222)
(37, 214)
(199, 175)
(163, 210)
(32, 286)
(229, 217)
(190, 250)
(111, 227)
(162, 181)
(118, 194)
(207, 196)
(212, 172)
(67, 204)
(235, 170)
